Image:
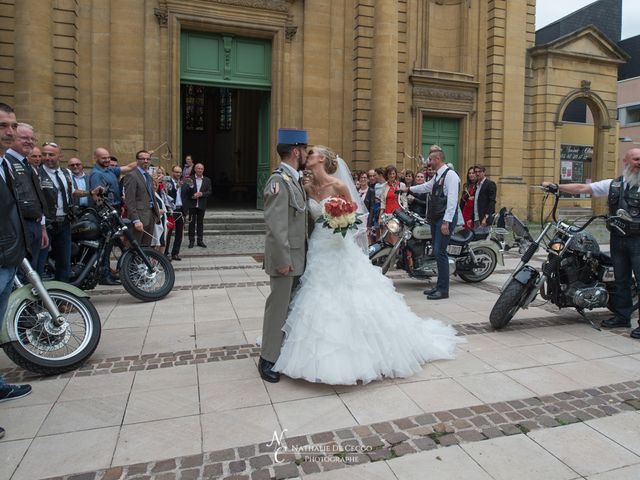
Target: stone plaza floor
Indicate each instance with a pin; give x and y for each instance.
(172, 392)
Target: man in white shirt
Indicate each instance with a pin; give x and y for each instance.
(442, 214)
(623, 192)
(80, 180)
(173, 187)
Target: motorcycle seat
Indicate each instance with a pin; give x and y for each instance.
(462, 236)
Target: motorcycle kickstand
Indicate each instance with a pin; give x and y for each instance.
(593, 325)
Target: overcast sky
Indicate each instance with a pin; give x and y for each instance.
(548, 11)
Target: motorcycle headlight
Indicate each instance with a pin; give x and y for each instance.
(393, 225)
(556, 246)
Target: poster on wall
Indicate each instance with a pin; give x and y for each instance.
(566, 170)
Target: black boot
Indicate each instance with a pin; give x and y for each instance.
(268, 375)
(615, 322)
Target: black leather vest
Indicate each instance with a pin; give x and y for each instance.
(12, 238)
(50, 192)
(627, 199)
(437, 200)
(26, 184)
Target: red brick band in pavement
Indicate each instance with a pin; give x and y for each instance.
(342, 448)
(151, 361)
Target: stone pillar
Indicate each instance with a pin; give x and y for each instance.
(384, 85)
(34, 72)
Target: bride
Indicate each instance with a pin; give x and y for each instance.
(347, 322)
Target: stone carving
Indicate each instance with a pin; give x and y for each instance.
(431, 92)
(585, 84)
(277, 5)
(290, 32)
(162, 16)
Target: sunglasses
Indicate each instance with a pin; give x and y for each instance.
(54, 145)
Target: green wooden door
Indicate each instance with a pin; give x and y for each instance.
(264, 169)
(444, 132)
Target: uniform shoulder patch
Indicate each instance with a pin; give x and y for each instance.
(274, 188)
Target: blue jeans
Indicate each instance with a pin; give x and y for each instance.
(60, 238)
(625, 254)
(6, 281)
(440, 244)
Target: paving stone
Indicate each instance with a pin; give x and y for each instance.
(448, 440)
(260, 462)
(246, 451)
(509, 429)
(395, 438)
(383, 428)
(191, 474)
(461, 412)
(547, 421)
(566, 418)
(403, 449)
(372, 441)
(479, 421)
(461, 424)
(479, 409)
(164, 466)
(405, 423)
(310, 467)
(222, 455)
(137, 469)
(380, 454)
(528, 425)
(289, 470)
(444, 416)
(262, 475)
(492, 432)
(516, 404)
(362, 431)
(470, 435)
(424, 443)
(427, 419)
(342, 434)
(323, 437)
(360, 458)
(501, 407)
(212, 470)
(114, 473)
(237, 466)
(83, 476)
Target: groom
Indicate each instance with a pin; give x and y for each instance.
(285, 216)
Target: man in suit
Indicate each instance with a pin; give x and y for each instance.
(187, 170)
(484, 206)
(31, 201)
(13, 245)
(197, 189)
(173, 187)
(140, 200)
(285, 216)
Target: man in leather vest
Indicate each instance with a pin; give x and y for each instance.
(13, 241)
(31, 201)
(442, 214)
(285, 217)
(622, 192)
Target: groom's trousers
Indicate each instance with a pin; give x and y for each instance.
(275, 314)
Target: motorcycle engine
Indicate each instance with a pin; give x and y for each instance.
(588, 297)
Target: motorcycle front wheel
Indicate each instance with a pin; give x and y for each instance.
(507, 305)
(487, 262)
(382, 260)
(44, 348)
(143, 283)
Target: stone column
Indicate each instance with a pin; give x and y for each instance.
(34, 76)
(384, 84)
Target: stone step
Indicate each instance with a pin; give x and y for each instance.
(214, 233)
(233, 220)
(234, 226)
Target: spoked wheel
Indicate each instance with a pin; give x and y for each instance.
(487, 262)
(47, 348)
(142, 282)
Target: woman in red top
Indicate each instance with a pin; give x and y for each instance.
(468, 198)
(388, 198)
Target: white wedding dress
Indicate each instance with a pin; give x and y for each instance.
(347, 322)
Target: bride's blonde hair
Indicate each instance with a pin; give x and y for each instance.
(330, 158)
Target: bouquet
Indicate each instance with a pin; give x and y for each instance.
(340, 215)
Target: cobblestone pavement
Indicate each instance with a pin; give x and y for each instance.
(172, 392)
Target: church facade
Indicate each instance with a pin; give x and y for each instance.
(378, 81)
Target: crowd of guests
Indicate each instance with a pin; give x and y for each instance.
(50, 196)
(379, 189)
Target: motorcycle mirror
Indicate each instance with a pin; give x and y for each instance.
(624, 215)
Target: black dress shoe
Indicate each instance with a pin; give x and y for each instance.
(429, 292)
(268, 375)
(191, 244)
(437, 295)
(615, 322)
(201, 244)
(110, 281)
(176, 257)
(635, 333)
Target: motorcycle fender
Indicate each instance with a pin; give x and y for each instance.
(8, 333)
(526, 275)
(377, 248)
(491, 245)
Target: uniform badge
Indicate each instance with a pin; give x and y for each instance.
(275, 187)
(286, 177)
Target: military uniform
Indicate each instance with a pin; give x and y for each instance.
(285, 216)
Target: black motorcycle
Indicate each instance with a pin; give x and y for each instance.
(96, 231)
(472, 259)
(576, 273)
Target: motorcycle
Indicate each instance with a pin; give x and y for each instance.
(49, 327)
(472, 259)
(509, 232)
(145, 273)
(576, 274)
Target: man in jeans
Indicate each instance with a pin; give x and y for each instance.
(13, 242)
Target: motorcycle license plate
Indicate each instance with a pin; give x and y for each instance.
(454, 249)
